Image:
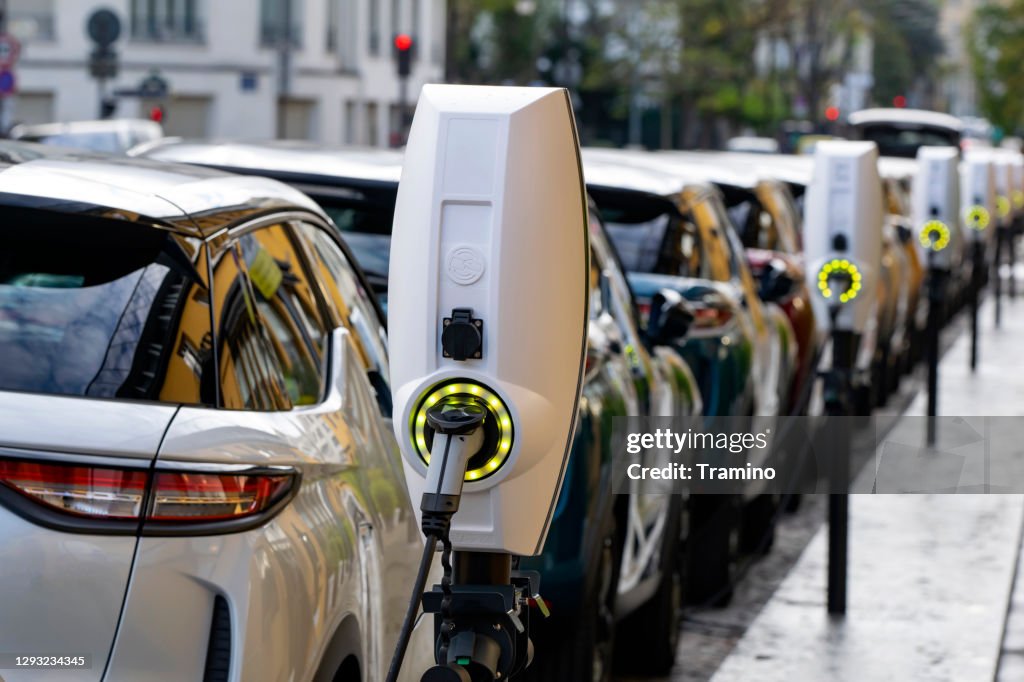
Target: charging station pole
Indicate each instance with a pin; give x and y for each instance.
(977, 266)
(998, 276)
(837, 404)
(936, 279)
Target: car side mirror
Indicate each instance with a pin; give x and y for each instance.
(776, 283)
(670, 318)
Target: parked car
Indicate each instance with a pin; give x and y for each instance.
(897, 177)
(198, 477)
(900, 132)
(674, 234)
(715, 254)
(767, 223)
(113, 136)
(875, 358)
(606, 557)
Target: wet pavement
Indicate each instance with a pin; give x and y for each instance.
(931, 590)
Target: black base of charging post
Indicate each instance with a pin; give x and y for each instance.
(936, 286)
(997, 290)
(977, 275)
(482, 620)
(1011, 256)
(838, 392)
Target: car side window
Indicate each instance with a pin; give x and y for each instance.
(352, 304)
(272, 334)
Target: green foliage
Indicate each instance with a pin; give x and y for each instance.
(693, 58)
(996, 45)
(907, 45)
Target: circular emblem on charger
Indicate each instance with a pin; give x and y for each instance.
(465, 265)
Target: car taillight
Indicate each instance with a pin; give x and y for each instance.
(709, 317)
(185, 497)
(95, 492)
(165, 501)
(644, 310)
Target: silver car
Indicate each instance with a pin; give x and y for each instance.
(198, 478)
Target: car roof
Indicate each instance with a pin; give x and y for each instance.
(640, 171)
(896, 167)
(295, 158)
(894, 116)
(187, 199)
(100, 126)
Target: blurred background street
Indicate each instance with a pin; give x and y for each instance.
(656, 73)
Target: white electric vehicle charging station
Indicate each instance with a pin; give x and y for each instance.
(843, 236)
(935, 202)
(488, 299)
(978, 196)
(843, 251)
(978, 211)
(936, 210)
(1005, 215)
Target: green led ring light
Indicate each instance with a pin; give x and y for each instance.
(978, 217)
(834, 267)
(1003, 206)
(497, 440)
(934, 227)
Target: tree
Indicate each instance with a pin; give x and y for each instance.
(995, 43)
(907, 47)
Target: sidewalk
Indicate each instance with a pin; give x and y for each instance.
(930, 575)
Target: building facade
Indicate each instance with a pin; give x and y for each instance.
(958, 88)
(232, 68)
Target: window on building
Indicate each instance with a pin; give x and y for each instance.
(351, 107)
(342, 38)
(167, 20)
(31, 19)
(436, 32)
(275, 15)
(372, 125)
(374, 32)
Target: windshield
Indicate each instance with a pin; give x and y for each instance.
(101, 308)
(97, 142)
(649, 234)
(904, 141)
(364, 217)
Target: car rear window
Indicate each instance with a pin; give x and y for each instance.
(101, 308)
(904, 140)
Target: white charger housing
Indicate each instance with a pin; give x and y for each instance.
(491, 217)
(1003, 161)
(935, 203)
(843, 233)
(978, 195)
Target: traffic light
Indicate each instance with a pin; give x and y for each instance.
(832, 114)
(156, 114)
(899, 101)
(403, 54)
(108, 107)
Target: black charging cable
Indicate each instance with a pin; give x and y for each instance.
(437, 509)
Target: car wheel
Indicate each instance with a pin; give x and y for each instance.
(581, 650)
(648, 637)
(758, 530)
(711, 549)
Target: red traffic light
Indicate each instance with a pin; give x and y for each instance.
(403, 42)
(156, 114)
(899, 101)
(832, 113)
